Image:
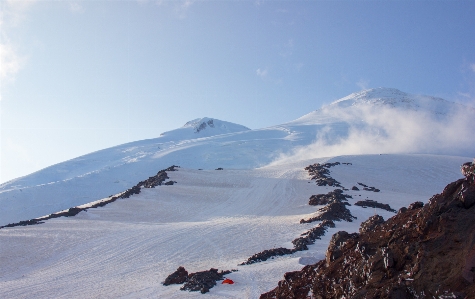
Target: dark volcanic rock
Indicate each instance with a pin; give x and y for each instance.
(332, 196)
(300, 244)
(267, 254)
(374, 204)
(178, 277)
(335, 211)
(415, 205)
(367, 188)
(371, 223)
(199, 281)
(203, 281)
(425, 251)
(321, 175)
(337, 242)
(310, 236)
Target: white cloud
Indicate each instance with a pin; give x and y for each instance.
(376, 130)
(363, 84)
(12, 14)
(10, 61)
(187, 4)
(472, 67)
(261, 73)
(75, 7)
(183, 8)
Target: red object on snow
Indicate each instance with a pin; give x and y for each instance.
(227, 281)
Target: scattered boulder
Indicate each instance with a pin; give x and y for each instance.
(201, 281)
(178, 277)
(367, 188)
(374, 204)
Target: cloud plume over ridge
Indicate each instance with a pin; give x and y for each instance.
(384, 129)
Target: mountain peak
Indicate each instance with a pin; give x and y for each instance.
(380, 95)
(205, 127)
(394, 98)
(200, 124)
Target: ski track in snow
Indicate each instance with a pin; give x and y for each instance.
(208, 219)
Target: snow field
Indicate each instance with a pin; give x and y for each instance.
(210, 218)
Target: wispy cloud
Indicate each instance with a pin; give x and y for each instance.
(472, 67)
(376, 130)
(12, 14)
(363, 84)
(261, 73)
(11, 62)
(183, 7)
(75, 7)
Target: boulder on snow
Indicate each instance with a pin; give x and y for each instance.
(374, 204)
(203, 281)
(177, 277)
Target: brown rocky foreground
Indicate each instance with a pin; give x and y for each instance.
(425, 251)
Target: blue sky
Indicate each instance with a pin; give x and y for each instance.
(80, 76)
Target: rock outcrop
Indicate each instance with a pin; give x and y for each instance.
(320, 174)
(374, 204)
(332, 196)
(425, 251)
(300, 244)
(335, 211)
(201, 281)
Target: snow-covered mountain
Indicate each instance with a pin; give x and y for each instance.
(407, 146)
(369, 122)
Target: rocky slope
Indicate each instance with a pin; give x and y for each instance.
(425, 251)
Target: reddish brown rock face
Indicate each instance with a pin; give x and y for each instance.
(424, 251)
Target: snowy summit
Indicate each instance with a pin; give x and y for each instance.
(203, 127)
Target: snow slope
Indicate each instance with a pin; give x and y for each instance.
(210, 218)
(371, 121)
(219, 218)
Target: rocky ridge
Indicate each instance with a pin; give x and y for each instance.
(334, 210)
(151, 182)
(425, 251)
